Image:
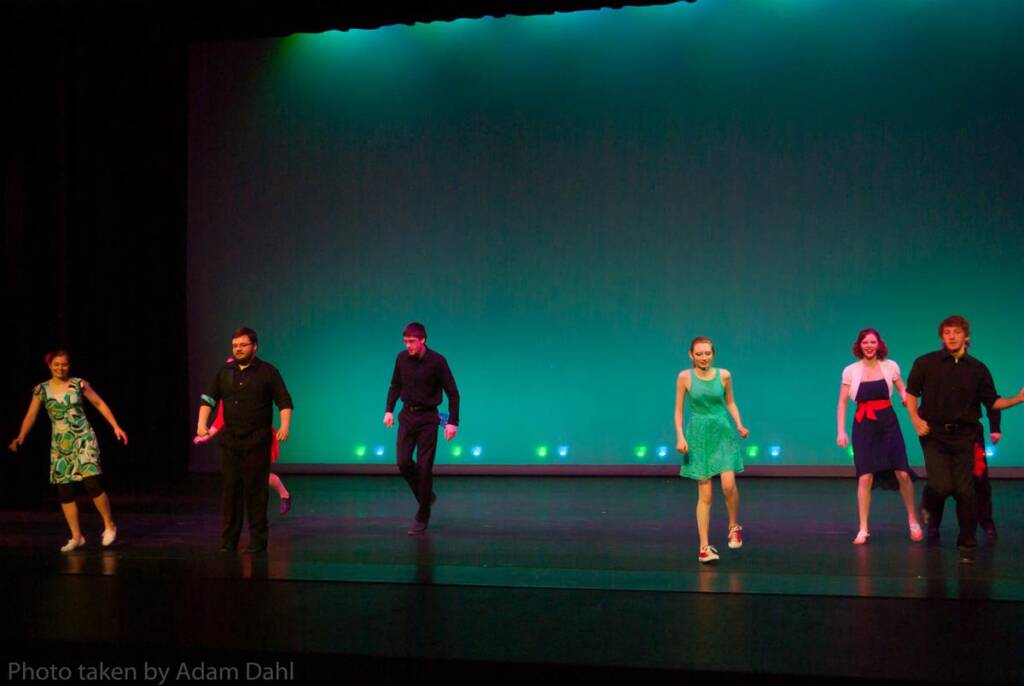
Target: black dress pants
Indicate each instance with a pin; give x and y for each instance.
(246, 473)
(983, 499)
(418, 431)
(949, 458)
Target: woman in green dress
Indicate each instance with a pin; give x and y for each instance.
(74, 452)
(709, 446)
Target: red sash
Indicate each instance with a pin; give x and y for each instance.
(869, 407)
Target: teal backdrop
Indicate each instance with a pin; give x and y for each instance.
(566, 200)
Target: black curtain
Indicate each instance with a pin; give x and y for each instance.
(94, 234)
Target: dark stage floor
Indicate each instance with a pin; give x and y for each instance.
(521, 577)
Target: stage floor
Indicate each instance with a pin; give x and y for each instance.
(533, 573)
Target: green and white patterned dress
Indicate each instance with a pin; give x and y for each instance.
(74, 452)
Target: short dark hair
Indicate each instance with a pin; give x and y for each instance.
(883, 349)
(245, 331)
(415, 329)
(957, 321)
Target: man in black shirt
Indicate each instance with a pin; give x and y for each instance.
(419, 377)
(249, 388)
(952, 386)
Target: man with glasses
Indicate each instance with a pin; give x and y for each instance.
(249, 389)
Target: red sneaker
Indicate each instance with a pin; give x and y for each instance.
(708, 554)
(736, 537)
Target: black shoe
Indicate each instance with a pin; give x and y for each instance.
(990, 530)
(228, 547)
(417, 529)
(967, 556)
(286, 504)
(253, 548)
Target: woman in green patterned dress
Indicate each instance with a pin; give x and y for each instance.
(74, 453)
(709, 446)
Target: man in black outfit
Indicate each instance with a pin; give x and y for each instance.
(952, 386)
(419, 377)
(249, 388)
(982, 483)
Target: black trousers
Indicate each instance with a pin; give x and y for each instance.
(949, 458)
(982, 496)
(418, 431)
(246, 473)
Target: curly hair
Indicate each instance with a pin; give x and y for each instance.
(883, 349)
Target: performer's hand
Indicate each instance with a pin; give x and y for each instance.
(682, 446)
(389, 419)
(994, 437)
(449, 431)
(15, 444)
(282, 434)
(842, 440)
(121, 435)
(743, 431)
(921, 427)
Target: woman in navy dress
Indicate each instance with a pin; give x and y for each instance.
(879, 453)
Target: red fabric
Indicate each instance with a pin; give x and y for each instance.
(218, 423)
(980, 463)
(869, 407)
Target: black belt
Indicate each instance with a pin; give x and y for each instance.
(419, 408)
(953, 427)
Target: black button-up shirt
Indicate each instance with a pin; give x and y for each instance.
(249, 396)
(951, 391)
(419, 381)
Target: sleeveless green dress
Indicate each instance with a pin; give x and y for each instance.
(714, 444)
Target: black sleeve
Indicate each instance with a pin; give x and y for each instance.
(282, 398)
(452, 391)
(994, 421)
(915, 382)
(395, 389)
(212, 395)
(987, 389)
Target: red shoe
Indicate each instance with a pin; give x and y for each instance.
(736, 537)
(708, 554)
